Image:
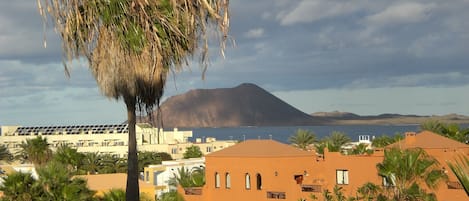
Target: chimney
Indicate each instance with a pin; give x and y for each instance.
(410, 138)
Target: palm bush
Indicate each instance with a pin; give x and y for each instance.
(460, 168)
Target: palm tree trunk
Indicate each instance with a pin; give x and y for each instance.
(132, 188)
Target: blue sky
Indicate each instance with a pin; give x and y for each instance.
(363, 56)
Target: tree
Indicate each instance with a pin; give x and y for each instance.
(190, 178)
(35, 150)
(302, 139)
(146, 158)
(5, 154)
(171, 196)
(368, 191)
(452, 131)
(193, 152)
(336, 140)
(19, 186)
(69, 157)
(91, 164)
(132, 46)
(404, 170)
(56, 184)
(385, 140)
(361, 149)
(460, 168)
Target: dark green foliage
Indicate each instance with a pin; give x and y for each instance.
(460, 168)
(54, 184)
(193, 152)
(404, 169)
(35, 150)
(190, 178)
(385, 140)
(302, 139)
(69, 157)
(171, 196)
(19, 186)
(5, 154)
(452, 131)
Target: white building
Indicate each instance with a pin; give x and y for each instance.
(109, 139)
(161, 175)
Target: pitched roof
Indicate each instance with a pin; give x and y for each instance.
(108, 181)
(260, 148)
(427, 140)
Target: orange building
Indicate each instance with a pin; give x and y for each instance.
(268, 170)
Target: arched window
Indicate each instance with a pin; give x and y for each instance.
(247, 181)
(259, 181)
(227, 180)
(217, 180)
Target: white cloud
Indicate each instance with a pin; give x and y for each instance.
(254, 33)
(407, 12)
(313, 10)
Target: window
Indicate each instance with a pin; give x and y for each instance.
(342, 176)
(259, 181)
(247, 181)
(174, 150)
(209, 149)
(217, 180)
(147, 176)
(227, 180)
(298, 178)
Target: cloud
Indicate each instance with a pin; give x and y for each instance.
(254, 33)
(402, 13)
(308, 11)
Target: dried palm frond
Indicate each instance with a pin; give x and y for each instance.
(132, 45)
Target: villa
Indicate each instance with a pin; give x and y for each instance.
(268, 170)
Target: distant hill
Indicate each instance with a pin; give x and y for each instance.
(244, 105)
(346, 118)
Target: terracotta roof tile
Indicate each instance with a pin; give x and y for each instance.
(260, 148)
(427, 140)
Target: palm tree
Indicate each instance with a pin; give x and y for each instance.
(131, 46)
(91, 164)
(69, 157)
(452, 131)
(19, 186)
(35, 150)
(171, 196)
(368, 191)
(404, 170)
(114, 195)
(302, 139)
(56, 183)
(336, 140)
(5, 154)
(460, 168)
(146, 158)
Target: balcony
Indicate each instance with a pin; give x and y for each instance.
(276, 195)
(311, 188)
(193, 191)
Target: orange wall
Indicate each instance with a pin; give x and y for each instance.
(361, 169)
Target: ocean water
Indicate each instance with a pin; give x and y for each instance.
(282, 134)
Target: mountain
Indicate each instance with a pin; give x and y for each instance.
(244, 105)
(346, 118)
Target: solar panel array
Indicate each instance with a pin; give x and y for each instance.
(73, 130)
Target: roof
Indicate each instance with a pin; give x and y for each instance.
(105, 182)
(260, 148)
(427, 140)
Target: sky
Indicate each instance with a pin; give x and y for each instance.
(364, 56)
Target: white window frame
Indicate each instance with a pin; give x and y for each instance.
(217, 180)
(342, 177)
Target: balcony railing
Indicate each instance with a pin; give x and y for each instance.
(193, 191)
(311, 188)
(276, 195)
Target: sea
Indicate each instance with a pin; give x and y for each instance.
(282, 134)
